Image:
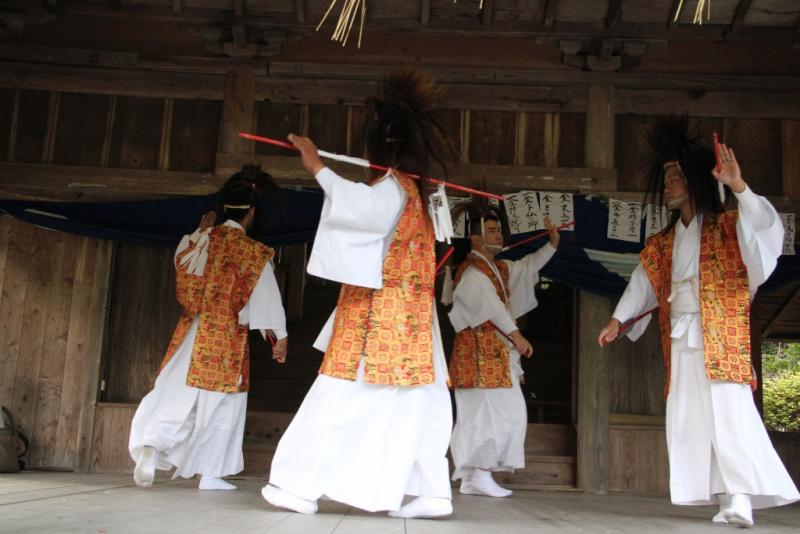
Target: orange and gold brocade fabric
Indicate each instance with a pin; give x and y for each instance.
(480, 359)
(391, 327)
(724, 297)
(220, 355)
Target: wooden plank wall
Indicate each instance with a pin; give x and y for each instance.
(638, 459)
(52, 315)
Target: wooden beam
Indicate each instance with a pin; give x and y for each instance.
(177, 7)
(790, 134)
(549, 17)
(454, 26)
(520, 138)
(106, 151)
(739, 15)
(31, 181)
(600, 118)
(237, 114)
(33, 62)
(111, 81)
(300, 11)
(425, 13)
(166, 134)
(773, 321)
(52, 125)
(504, 76)
(502, 178)
(488, 8)
(613, 14)
(594, 395)
(75, 183)
(12, 136)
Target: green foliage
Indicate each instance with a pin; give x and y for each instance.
(779, 358)
(782, 402)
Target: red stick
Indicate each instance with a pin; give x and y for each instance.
(501, 332)
(270, 339)
(444, 258)
(630, 322)
(717, 152)
(381, 168)
(536, 236)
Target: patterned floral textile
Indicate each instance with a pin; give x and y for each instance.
(391, 327)
(480, 358)
(220, 355)
(724, 297)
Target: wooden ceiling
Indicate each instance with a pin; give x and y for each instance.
(250, 28)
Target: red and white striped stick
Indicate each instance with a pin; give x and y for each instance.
(364, 163)
(630, 322)
(535, 236)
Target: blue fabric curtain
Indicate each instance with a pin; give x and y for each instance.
(293, 219)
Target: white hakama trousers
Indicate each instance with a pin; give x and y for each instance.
(490, 427)
(716, 440)
(368, 445)
(195, 430)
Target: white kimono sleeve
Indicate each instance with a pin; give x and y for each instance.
(759, 231)
(475, 301)
(637, 299)
(523, 276)
(354, 224)
(264, 310)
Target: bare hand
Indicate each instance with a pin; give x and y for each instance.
(729, 173)
(552, 229)
(609, 333)
(280, 349)
(522, 345)
(308, 153)
(207, 221)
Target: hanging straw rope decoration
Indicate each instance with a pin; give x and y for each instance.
(698, 12)
(347, 17)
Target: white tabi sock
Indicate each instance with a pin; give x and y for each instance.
(482, 482)
(283, 499)
(740, 512)
(145, 470)
(425, 508)
(724, 503)
(214, 483)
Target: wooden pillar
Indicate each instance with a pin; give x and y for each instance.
(791, 158)
(755, 354)
(237, 114)
(593, 313)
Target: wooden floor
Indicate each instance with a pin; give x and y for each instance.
(66, 502)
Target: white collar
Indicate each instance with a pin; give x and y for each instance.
(233, 224)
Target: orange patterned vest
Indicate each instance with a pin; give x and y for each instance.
(220, 355)
(480, 358)
(391, 327)
(724, 297)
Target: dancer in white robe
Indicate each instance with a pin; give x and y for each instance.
(492, 419)
(194, 429)
(719, 451)
(364, 436)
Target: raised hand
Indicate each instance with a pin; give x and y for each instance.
(729, 172)
(207, 221)
(552, 230)
(308, 153)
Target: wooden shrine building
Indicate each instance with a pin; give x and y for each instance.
(118, 100)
